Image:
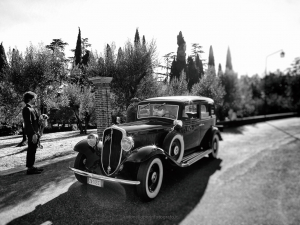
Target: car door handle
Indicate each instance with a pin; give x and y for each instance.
(201, 125)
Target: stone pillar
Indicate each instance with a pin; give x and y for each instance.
(103, 102)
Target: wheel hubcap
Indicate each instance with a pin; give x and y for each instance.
(176, 150)
(154, 177)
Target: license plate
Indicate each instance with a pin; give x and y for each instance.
(95, 182)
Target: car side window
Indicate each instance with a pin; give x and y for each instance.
(204, 112)
(190, 111)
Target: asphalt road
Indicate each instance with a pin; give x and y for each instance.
(254, 181)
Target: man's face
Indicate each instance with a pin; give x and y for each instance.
(33, 101)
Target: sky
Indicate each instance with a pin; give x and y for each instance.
(252, 29)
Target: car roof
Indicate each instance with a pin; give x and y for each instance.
(181, 99)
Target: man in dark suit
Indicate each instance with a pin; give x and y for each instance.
(31, 128)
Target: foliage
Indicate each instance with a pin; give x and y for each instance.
(176, 87)
(81, 101)
(57, 44)
(294, 92)
(196, 50)
(210, 86)
(232, 97)
(247, 103)
(276, 89)
(135, 65)
(192, 73)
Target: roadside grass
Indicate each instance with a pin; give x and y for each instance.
(54, 145)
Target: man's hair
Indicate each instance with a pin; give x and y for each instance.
(28, 96)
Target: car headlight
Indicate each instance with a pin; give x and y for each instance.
(127, 143)
(92, 139)
(177, 123)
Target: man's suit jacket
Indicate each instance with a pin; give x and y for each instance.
(31, 120)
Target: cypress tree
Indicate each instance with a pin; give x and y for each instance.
(211, 58)
(144, 40)
(78, 52)
(3, 60)
(199, 66)
(220, 72)
(228, 60)
(174, 73)
(181, 61)
(137, 37)
(192, 73)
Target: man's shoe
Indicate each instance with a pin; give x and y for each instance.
(38, 168)
(33, 171)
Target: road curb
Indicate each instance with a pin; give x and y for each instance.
(38, 164)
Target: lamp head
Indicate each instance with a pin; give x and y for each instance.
(282, 54)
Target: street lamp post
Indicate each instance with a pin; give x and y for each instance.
(281, 55)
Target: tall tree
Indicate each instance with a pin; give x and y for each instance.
(57, 44)
(78, 50)
(220, 71)
(196, 50)
(144, 40)
(211, 58)
(181, 55)
(137, 37)
(174, 73)
(199, 66)
(3, 60)
(192, 73)
(228, 60)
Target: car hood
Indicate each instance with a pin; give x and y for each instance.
(146, 125)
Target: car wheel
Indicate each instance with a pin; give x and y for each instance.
(80, 165)
(174, 145)
(150, 174)
(214, 147)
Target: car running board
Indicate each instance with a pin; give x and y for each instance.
(194, 157)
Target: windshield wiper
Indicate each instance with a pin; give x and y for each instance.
(161, 105)
(144, 106)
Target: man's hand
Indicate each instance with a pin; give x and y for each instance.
(34, 139)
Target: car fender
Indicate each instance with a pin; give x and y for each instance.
(144, 153)
(90, 153)
(170, 138)
(216, 131)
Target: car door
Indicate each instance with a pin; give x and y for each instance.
(206, 121)
(191, 128)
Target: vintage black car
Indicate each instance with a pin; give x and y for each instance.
(173, 130)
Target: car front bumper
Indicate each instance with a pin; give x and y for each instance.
(104, 178)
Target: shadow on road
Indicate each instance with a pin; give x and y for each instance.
(15, 153)
(46, 138)
(182, 190)
(234, 130)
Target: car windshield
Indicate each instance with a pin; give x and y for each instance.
(158, 110)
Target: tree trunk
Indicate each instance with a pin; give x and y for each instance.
(87, 120)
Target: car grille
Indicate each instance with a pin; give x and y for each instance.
(112, 151)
